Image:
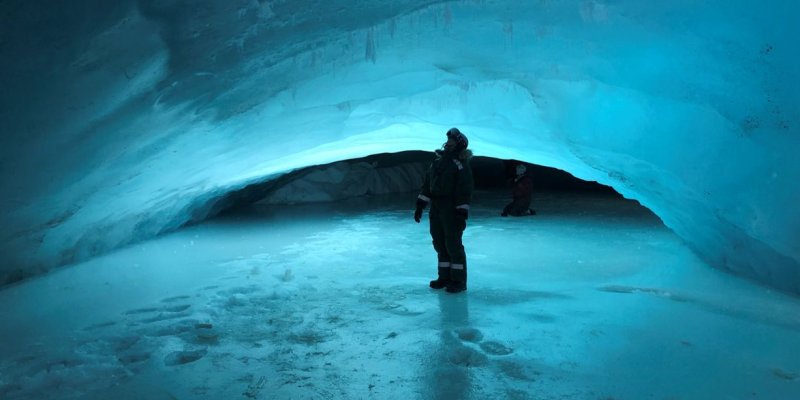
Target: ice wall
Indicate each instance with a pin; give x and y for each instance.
(121, 120)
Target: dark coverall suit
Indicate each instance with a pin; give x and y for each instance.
(522, 194)
(448, 185)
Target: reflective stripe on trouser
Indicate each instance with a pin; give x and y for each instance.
(444, 271)
(446, 234)
(458, 273)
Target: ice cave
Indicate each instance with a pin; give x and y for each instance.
(214, 199)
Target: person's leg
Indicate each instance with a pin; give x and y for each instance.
(438, 236)
(525, 206)
(507, 209)
(454, 231)
(520, 207)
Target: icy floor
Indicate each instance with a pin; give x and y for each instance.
(592, 299)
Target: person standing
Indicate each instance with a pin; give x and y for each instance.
(448, 187)
(521, 194)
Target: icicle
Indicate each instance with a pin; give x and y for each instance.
(369, 53)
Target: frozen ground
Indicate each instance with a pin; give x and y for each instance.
(592, 299)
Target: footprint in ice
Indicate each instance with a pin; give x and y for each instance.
(142, 310)
(785, 375)
(160, 311)
(100, 325)
(179, 308)
(205, 333)
(183, 357)
(166, 315)
(467, 357)
(518, 371)
(176, 329)
(176, 298)
(496, 348)
(133, 357)
(399, 309)
(469, 334)
(473, 335)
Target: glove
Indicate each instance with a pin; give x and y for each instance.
(421, 204)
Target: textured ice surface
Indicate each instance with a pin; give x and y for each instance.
(121, 120)
(593, 298)
(346, 180)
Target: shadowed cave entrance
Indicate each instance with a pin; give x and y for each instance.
(396, 173)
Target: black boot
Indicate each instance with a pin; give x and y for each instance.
(443, 280)
(458, 280)
(456, 287)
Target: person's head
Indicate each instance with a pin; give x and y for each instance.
(521, 169)
(456, 141)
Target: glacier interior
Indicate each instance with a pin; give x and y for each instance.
(124, 120)
(129, 120)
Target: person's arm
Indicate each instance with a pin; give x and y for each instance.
(464, 188)
(424, 196)
(425, 191)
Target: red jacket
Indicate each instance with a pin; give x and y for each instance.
(523, 187)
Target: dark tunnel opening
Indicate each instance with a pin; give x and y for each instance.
(490, 175)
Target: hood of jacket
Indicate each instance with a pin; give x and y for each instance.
(464, 155)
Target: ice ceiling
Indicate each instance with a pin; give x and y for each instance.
(124, 119)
